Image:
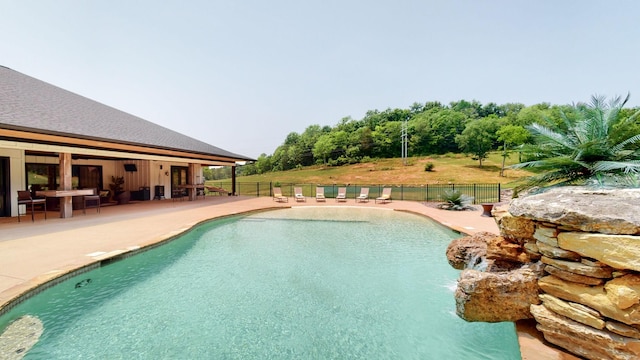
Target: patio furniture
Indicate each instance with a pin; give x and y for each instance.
(65, 196)
(298, 194)
(215, 189)
(93, 200)
(192, 191)
(320, 194)
(142, 194)
(200, 192)
(364, 195)
(105, 196)
(177, 193)
(24, 198)
(277, 195)
(342, 194)
(385, 197)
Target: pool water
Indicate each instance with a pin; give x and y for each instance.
(303, 283)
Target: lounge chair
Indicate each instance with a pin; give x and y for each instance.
(364, 195)
(320, 194)
(297, 192)
(342, 194)
(385, 197)
(277, 195)
(215, 189)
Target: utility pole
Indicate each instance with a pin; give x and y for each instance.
(404, 141)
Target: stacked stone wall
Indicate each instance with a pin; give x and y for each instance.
(588, 306)
(588, 243)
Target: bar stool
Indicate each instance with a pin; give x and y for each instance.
(177, 194)
(24, 198)
(91, 199)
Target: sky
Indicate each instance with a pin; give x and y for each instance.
(242, 75)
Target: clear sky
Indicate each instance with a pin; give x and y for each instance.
(241, 75)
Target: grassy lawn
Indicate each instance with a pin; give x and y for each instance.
(450, 168)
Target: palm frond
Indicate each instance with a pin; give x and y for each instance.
(631, 166)
(632, 140)
(587, 148)
(549, 135)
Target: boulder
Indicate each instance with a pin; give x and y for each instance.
(486, 251)
(499, 248)
(608, 211)
(496, 297)
(515, 229)
(468, 251)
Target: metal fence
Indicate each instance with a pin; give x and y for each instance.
(481, 193)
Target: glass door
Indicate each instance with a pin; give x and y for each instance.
(178, 178)
(5, 196)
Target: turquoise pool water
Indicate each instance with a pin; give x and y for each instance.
(302, 283)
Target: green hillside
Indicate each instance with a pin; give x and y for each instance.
(449, 168)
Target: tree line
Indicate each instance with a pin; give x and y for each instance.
(432, 128)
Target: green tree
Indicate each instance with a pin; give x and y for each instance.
(307, 142)
(511, 135)
(280, 158)
(443, 127)
(263, 164)
(532, 114)
(478, 136)
(386, 139)
(586, 148)
(323, 148)
(363, 140)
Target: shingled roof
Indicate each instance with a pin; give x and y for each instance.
(29, 104)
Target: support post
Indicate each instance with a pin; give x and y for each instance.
(66, 203)
(233, 180)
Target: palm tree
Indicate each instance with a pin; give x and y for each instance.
(592, 147)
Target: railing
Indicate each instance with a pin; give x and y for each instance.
(481, 193)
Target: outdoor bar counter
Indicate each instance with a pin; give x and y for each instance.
(66, 207)
(192, 189)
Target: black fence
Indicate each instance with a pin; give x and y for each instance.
(481, 193)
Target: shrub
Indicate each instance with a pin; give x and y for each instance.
(429, 166)
(455, 200)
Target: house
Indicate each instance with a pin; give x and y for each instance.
(53, 139)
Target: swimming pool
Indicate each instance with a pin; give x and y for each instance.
(292, 283)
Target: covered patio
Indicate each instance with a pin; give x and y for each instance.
(55, 143)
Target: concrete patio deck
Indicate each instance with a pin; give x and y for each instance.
(33, 253)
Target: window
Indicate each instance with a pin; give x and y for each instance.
(47, 176)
